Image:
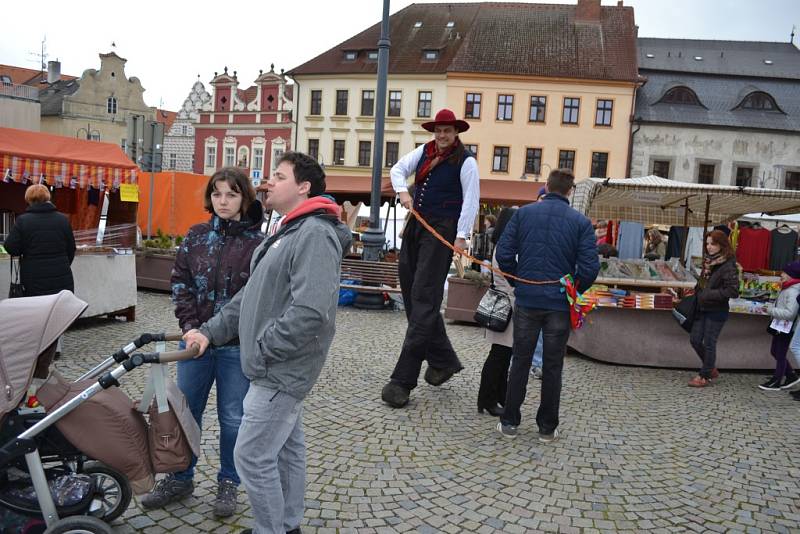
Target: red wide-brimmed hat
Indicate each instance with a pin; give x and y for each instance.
(446, 117)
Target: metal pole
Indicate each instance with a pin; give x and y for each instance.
(374, 237)
(705, 226)
(685, 230)
(152, 185)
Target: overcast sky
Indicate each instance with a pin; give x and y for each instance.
(168, 43)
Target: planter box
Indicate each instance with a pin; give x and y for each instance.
(153, 270)
(463, 297)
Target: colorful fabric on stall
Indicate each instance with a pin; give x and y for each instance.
(579, 305)
(60, 174)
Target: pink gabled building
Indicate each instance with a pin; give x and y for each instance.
(249, 128)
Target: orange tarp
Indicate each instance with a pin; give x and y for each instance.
(177, 202)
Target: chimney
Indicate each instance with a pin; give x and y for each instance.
(588, 11)
(53, 71)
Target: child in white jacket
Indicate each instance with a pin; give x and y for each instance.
(785, 309)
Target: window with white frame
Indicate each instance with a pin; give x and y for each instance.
(211, 156)
(230, 156)
(111, 105)
(258, 158)
(173, 160)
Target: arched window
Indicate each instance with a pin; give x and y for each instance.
(759, 101)
(681, 95)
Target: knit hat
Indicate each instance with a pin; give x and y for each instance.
(793, 269)
(724, 228)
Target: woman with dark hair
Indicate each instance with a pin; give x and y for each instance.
(212, 265)
(492, 391)
(718, 283)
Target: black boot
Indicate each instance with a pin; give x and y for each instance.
(395, 395)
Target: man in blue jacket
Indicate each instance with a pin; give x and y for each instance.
(543, 242)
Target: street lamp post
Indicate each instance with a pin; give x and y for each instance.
(373, 238)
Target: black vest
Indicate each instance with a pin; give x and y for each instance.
(440, 193)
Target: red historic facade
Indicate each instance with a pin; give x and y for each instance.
(249, 128)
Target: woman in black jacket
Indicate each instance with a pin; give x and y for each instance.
(719, 282)
(43, 239)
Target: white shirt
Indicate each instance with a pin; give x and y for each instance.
(470, 186)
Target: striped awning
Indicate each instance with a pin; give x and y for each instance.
(62, 173)
(654, 200)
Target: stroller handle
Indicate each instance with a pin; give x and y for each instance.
(179, 355)
(173, 337)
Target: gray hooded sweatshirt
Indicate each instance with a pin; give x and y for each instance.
(285, 314)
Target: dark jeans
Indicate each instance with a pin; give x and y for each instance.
(554, 327)
(423, 267)
(494, 376)
(779, 349)
(704, 336)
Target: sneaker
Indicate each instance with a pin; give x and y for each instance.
(227, 492)
(698, 382)
(536, 372)
(509, 431)
(395, 395)
(548, 438)
(167, 490)
(437, 377)
(791, 382)
(773, 384)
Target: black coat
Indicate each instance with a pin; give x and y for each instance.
(43, 238)
(722, 285)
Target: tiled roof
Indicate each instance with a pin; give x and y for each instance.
(720, 96)
(408, 42)
(25, 76)
(249, 94)
(545, 40)
(491, 37)
(167, 117)
(53, 95)
(735, 58)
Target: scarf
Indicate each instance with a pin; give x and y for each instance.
(789, 283)
(432, 156)
(712, 261)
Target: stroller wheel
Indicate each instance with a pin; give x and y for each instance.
(112, 491)
(79, 524)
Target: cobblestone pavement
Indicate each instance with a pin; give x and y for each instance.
(639, 452)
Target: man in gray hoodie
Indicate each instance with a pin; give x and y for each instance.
(284, 318)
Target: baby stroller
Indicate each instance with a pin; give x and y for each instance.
(43, 476)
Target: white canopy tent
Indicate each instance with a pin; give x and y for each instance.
(654, 200)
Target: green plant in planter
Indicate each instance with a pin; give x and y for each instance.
(163, 242)
(477, 278)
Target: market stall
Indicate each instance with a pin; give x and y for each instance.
(633, 322)
(81, 175)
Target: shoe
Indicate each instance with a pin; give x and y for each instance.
(227, 492)
(437, 377)
(509, 431)
(773, 384)
(698, 382)
(791, 381)
(495, 410)
(395, 395)
(714, 373)
(548, 438)
(536, 372)
(167, 490)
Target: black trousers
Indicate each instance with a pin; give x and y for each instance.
(703, 337)
(554, 326)
(494, 377)
(423, 267)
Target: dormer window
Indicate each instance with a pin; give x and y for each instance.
(372, 54)
(450, 24)
(759, 101)
(430, 54)
(681, 95)
(5, 80)
(418, 24)
(350, 55)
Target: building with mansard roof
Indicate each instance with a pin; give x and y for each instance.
(722, 112)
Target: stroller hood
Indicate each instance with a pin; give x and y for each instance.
(30, 325)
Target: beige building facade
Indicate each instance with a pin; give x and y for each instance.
(95, 106)
(523, 127)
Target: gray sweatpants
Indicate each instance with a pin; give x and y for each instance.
(270, 457)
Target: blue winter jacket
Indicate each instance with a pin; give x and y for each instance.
(545, 241)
